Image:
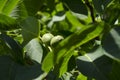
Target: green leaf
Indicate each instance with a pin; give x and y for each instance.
(62, 67)
(81, 77)
(13, 8)
(74, 21)
(34, 50)
(17, 52)
(9, 6)
(30, 29)
(56, 18)
(95, 64)
(2, 4)
(111, 44)
(6, 20)
(19, 12)
(48, 62)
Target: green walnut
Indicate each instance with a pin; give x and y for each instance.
(46, 38)
(56, 39)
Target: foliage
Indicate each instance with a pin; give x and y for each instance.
(60, 39)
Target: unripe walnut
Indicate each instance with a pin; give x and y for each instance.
(46, 38)
(56, 39)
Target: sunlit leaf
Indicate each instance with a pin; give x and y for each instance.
(55, 19)
(81, 77)
(2, 4)
(74, 21)
(62, 67)
(48, 59)
(9, 6)
(34, 50)
(19, 12)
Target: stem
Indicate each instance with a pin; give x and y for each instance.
(91, 10)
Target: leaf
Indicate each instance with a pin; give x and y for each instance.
(62, 67)
(13, 8)
(81, 77)
(20, 9)
(111, 44)
(14, 71)
(74, 21)
(16, 49)
(57, 19)
(100, 5)
(6, 20)
(27, 72)
(2, 4)
(19, 12)
(9, 6)
(30, 29)
(95, 64)
(6, 63)
(48, 62)
(34, 50)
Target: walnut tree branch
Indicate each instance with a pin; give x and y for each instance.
(91, 9)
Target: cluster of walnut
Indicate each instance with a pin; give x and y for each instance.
(49, 38)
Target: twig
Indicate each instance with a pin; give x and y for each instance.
(91, 9)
